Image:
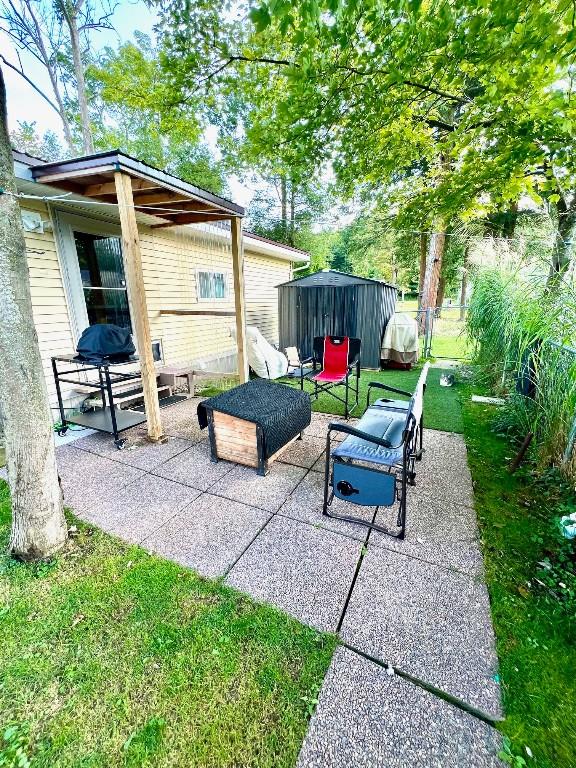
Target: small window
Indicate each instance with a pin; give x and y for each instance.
(212, 285)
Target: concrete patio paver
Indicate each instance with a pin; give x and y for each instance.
(142, 454)
(141, 507)
(209, 535)
(306, 501)
(304, 452)
(438, 532)
(366, 718)
(267, 492)
(302, 570)
(429, 622)
(86, 477)
(193, 467)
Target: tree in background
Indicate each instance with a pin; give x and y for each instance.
(133, 109)
(447, 110)
(26, 138)
(38, 524)
(58, 35)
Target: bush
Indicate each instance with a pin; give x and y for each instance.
(523, 334)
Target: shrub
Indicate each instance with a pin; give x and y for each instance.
(523, 335)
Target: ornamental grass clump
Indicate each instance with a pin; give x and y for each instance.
(524, 341)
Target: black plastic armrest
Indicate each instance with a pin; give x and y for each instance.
(308, 360)
(378, 385)
(336, 426)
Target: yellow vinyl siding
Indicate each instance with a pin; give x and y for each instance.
(170, 260)
(49, 306)
(261, 276)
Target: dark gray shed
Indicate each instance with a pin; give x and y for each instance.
(338, 304)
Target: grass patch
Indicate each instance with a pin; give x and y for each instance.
(441, 404)
(111, 657)
(533, 606)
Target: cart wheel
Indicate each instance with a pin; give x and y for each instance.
(62, 431)
(120, 443)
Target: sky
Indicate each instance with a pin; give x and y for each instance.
(24, 104)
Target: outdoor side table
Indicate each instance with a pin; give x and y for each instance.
(254, 423)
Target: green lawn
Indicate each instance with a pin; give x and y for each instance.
(110, 657)
(442, 406)
(533, 607)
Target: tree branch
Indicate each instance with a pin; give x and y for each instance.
(30, 82)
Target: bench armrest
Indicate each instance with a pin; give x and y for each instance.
(336, 426)
(378, 385)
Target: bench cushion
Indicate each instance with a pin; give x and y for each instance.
(388, 425)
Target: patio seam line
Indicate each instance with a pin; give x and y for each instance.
(364, 545)
(125, 464)
(247, 547)
(451, 569)
(438, 692)
(169, 519)
(318, 526)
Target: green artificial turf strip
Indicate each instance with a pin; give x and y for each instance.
(441, 404)
(112, 657)
(535, 631)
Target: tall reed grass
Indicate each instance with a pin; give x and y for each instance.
(524, 337)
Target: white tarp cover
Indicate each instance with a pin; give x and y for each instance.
(265, 361)
(400, 342)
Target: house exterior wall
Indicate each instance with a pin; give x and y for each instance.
(170, 260)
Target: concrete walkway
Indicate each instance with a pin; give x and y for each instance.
(415, 680)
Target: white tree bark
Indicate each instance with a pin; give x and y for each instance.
(38, 524)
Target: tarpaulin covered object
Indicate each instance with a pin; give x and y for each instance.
(400, 342)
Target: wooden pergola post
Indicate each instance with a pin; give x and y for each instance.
(239, 296)
(136, 291)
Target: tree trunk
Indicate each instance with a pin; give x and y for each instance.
(436, 247)
(563, 250)
(440, 295)
(37, 35)
(38, 524)
(464, 286)
(71, 16)
(284, 206)
(510, 219)
(422, 270)
(292, 214)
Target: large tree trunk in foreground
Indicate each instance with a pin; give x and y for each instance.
(440, 295)
(436, 248)
(38, 524)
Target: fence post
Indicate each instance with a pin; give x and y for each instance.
(427, 332)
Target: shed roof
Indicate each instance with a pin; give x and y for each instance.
(331, 278)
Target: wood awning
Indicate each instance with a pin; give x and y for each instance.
(170, 199)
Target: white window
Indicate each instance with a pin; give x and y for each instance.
(212, 285)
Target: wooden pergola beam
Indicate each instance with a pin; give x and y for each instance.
(189, 218)
(109, 187)
(239, 296)
(137, 294)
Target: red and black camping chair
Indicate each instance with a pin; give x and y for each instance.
(335, 361)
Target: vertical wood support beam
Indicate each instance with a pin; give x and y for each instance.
(239, 296)
(136, 292)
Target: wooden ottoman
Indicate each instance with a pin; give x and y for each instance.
(254, 423)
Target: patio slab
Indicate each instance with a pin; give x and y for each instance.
(141, 507)
(303, 453)
(87, 477)
(305, 504)
(429, 622)
(141, 454)
(208, 535)
(437, 531)
(193, 467)
(269, 492)
(366, 718)
(319, 425)
(302, 570)
(179, 420)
